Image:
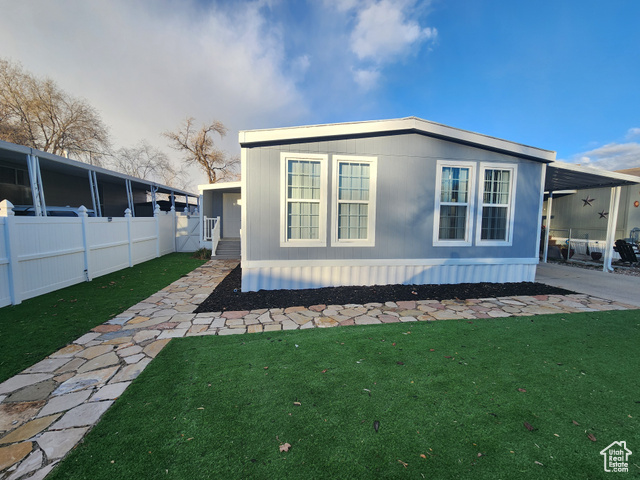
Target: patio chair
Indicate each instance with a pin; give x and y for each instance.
(626, 252)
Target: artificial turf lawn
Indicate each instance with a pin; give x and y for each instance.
(39, 326)
(451, 399)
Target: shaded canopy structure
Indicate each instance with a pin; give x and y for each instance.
(32, 177)
(562, 177)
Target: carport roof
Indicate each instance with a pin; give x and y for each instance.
(17, 154)
(569, 176)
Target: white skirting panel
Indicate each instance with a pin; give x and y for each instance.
(298, 277)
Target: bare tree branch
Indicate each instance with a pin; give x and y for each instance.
(199, 149)
(150, 163)
(36, 113)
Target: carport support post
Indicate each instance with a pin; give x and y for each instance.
(10, 236)
(548, 229)
(127, 215)
(174, 216)
(614, 204)
(82, 212)
(156, 214)
(201, 215)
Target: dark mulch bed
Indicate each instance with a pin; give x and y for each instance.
(228, 297)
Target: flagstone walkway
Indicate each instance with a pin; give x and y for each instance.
(48, 408)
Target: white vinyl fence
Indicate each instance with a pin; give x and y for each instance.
(42, 254)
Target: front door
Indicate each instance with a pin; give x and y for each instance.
(231, 210)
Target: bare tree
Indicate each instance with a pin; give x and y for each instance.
(36, 113)
(199, 148)
(150, 163)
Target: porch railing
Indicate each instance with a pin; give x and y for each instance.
(212, 232)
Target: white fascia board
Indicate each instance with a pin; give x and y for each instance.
(572, 167)
(219, 186)
(419, 125)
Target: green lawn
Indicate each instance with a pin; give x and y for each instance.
(41, 325)
(451, 399)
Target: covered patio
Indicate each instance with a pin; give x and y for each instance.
(566, 178)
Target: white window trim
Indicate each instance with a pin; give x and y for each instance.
(321, 241)
(471, 204)
(510, 206)
(370, 241)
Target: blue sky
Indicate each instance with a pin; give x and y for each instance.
(560, 75)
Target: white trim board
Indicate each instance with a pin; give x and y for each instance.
(419, 125)
(376, 262)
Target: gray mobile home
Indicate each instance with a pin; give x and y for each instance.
(395, 201)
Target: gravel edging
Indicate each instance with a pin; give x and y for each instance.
(228, 297)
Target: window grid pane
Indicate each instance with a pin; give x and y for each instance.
(454, 198)
(353, 181)
(353, 219)
(494, 223)
(495, 209)
(303, 195)
(303, 180)
(453, 221)
(303, 221)
(353, 200)
(496, 186)
(454, 185)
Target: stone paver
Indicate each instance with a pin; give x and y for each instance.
(65, 402)
(47, 409)
(82, 415)
(57, 444)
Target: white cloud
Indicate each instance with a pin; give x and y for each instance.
(632, 133)
(383, 32)
(366, 78)
(613, 156)
(147, 65)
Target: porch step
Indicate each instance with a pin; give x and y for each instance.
(228, 249)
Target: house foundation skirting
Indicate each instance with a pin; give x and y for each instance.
(294, 275)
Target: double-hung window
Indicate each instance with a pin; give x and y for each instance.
(354, 191)
(304, 191)
(495, 215)
(454, 203)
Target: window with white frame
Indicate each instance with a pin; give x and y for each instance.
(454, 203)
(495, 215)
(303, 213)
(354, 187)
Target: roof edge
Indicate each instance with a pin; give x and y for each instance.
(415, 124)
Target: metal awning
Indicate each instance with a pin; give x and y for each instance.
(568, 176)
(562, 176)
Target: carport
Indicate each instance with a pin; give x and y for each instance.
(561, 176)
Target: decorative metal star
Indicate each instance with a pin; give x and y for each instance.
(587, 201)
(603, 214)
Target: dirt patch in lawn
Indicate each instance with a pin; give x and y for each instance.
(228, 297)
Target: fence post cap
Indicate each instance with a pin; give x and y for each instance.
(173, 209)
(82, 210)
(6, 208)
(127, 213)
(156, 211)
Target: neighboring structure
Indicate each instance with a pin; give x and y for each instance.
(384, 202)
(62, 182)
(583, 215)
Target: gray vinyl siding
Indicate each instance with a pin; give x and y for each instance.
(404, 204)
